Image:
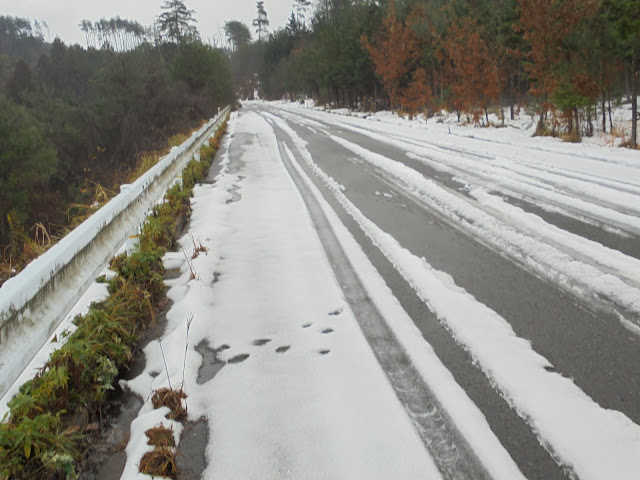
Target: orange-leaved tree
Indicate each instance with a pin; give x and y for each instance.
(394, 53)
(417, 94)
(470, 68)
(547, 26)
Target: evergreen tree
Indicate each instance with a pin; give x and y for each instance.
(624, 15)
(177, 22)
(27, 162)
(237, 33)
(300, 8)
(261, 22)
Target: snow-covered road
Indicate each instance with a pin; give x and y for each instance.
(301, 394)
(392, 300)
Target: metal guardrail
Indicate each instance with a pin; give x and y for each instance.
(34, 302)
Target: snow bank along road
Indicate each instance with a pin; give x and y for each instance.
(397, 302)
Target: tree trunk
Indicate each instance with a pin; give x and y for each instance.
(511, 96)
(634, 99)
(604, 113)
(604, 91)
(570, 121)
(375, 97)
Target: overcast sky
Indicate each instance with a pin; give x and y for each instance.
(63, 16)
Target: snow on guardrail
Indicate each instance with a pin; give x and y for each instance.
(34, 302)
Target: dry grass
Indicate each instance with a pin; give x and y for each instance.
(572, 137)
(197, 248)
(214, 142)
(167, 397)
(160, 437)
(145, 161)
(160, 462)
(178, 139)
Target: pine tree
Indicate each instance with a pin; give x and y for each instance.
(177, 22)
(237, 33)
(625, 17)
(261, 22)
(300, 7)
(554, 58)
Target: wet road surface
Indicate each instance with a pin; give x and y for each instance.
(583, 340)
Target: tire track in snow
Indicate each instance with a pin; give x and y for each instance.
(612, 200)
(450, 449)
(586, 439)
(546, 260)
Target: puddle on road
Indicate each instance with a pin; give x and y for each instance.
(109, 453)
(191, 457)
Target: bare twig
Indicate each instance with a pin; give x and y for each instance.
(197, 248)
(193, 272)
(165, 364)
(186, 346)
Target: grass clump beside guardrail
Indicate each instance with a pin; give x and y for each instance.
(44, 434)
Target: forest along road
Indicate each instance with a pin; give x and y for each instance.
(518, 261)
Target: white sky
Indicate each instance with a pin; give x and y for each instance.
(64, 16)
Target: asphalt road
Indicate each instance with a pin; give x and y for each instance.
(585, 341)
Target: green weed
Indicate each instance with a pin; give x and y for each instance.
(41, 436)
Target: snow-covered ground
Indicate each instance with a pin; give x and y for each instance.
(593, 442)
(301, 394)
(523, 121)
(598, 185)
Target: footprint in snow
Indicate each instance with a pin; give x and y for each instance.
(238, 358)
(283, 349)
(261, 341)
(327, 331)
